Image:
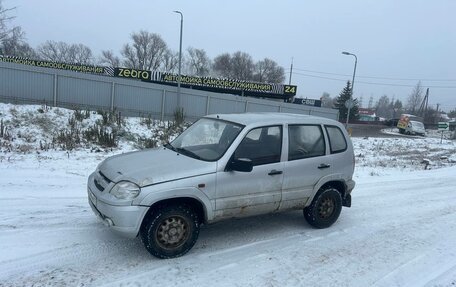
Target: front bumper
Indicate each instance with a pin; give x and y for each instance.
(124, 220)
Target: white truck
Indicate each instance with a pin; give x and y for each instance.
(411, 125)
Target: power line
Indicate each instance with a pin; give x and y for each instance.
(376, 77)
(373, 83)
(320, 77)
(325, 73)
(400, 85)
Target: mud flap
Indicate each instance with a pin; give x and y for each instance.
(347, 200)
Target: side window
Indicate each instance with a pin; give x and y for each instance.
(337, 140)
(305, 141)
(261, 145)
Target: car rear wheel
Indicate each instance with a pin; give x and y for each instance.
(171, 231)
(325, 208)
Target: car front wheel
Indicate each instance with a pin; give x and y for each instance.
(325, 208)
(171, 231)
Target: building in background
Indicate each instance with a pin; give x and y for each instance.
(367, 115)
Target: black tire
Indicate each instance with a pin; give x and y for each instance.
(325, 208)
(170, 231)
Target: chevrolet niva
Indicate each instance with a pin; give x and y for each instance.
(225, 166)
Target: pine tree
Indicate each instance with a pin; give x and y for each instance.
(340, 104)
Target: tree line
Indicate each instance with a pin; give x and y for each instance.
(145, 51)
(148, 51)
(386, 107)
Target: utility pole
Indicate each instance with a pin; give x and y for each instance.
(349, 103)
(438, 113)
(424, 106)
(291, 71)
(179, 101)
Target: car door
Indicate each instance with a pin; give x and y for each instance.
(307, 163)
(259, 191)
(340, 159)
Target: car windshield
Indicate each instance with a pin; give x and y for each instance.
(417, 124)
(207, 139)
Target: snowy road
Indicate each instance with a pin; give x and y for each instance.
(401, 231)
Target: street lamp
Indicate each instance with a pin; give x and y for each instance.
(180, 61)
(350, 101)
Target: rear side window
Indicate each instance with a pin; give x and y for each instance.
(337, 140)
(305, 141)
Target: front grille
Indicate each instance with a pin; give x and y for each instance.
(101, 181)
(104, 177)
(99, 186)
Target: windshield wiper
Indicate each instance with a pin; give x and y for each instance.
(170, 146)
(182, 151)
(188, 153)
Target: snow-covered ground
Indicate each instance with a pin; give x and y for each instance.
(400, 230)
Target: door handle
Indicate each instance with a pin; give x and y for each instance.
(324, 165)
(274, 172)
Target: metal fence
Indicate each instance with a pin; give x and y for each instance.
(35, 85)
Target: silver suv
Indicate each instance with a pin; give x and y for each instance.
(225, 166)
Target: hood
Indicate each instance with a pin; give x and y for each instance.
(153, 166)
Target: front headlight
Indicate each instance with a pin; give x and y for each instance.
(125, 190)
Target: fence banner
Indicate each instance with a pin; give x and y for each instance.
(307, 102)
(208, 83)
(222, 85)
(55, 65)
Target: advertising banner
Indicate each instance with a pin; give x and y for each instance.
(307, 102)
(239, 87)
(55, 65)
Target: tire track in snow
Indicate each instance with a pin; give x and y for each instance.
(367, 236)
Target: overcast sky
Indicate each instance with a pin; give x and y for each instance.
(397, 42)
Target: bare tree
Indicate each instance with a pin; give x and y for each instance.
(238, 66)
(432, 115)
(63, 52)
(15, 45)
(326, 100)
(452, 113)
(222, 66)
(12, 39)
(242, 66)
(268, 71)
(198, 62)
(146, 52)
(170, 61)
(415, 98)
(108, 58)
(53, 51)
(81, 54)
(383, 107)
(5, 31)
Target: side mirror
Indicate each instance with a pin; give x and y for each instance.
(241, 164)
